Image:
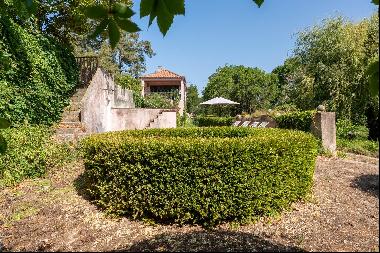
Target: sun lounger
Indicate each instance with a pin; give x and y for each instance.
(254, 124)
(245, 123)
(263, 124)
(236, 123)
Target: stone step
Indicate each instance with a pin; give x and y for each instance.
(80, 91)
(69, 131)
(75, 99)
(71, 116)
(153, 125)
(71, 124)
(74, 106)
(70, 137)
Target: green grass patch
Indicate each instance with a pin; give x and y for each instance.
(359, 146)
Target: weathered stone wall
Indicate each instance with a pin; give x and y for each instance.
(138, 118)
(108, 107)
(96, 103)
(123, 98)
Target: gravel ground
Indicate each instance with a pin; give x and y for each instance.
(342, 215)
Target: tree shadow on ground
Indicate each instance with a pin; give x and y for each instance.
(210, 241)
(367, 183)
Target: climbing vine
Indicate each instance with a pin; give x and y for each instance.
(37, 76)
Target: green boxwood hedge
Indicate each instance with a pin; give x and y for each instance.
(296, 120)
(198, 175)
(206, 121)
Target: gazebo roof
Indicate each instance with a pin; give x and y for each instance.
(162, 73)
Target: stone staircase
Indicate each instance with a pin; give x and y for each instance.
(153, 123)
(70, 127)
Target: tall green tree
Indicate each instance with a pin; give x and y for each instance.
(288, 92)
(127, 58)
(192, 99)
(333, 61)
(251, 87)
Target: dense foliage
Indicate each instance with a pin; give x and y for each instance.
(207, 121)
(192, 99)
(30, 153)
(358, 146)
(251, 87)
(199, 175)
(185, 120)
(329, 67)
(37, 75)
(25, 155)
(155, 100)
(127, 58)
(296, 120)
(353, 138)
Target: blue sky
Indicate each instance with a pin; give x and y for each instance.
(218, 32)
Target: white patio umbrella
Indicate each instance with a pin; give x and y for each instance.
(219, 101)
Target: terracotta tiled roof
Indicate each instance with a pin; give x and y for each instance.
(163, 73)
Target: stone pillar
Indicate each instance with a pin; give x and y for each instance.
(181, 104)
(142, 88)
(323, 127)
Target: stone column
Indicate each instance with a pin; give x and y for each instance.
(142, 88)
(323, 127)
(181, 104)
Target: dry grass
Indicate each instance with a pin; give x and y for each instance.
(342, 215)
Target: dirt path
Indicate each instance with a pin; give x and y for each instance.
(343, 215)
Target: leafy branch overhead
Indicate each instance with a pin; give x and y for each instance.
(163, 10)
(114, 18)
(259, 2)
(118, 17)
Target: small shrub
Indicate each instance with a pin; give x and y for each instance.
(30, 153)
(138, 99)
(296, 120)
(25, 156)
(346, 130)
(208, 121)
(128, 82)
(199, 175)
(359, 146)
(287, 108)
(184, 120)
(155, 100)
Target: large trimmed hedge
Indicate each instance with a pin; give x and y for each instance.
(296, 120)
(199, 175)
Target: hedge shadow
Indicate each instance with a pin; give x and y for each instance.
(209, 241)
